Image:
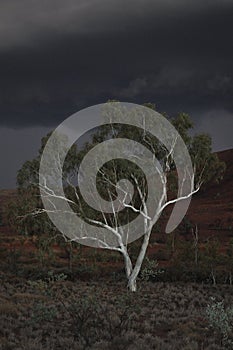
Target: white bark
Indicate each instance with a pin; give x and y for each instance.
(131, 271)
(134, 274)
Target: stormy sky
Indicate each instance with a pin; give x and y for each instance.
(57, 57)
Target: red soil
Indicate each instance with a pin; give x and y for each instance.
(211, 210)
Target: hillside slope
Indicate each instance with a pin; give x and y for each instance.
(211, 210)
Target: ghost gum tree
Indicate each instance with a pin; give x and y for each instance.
(119, 193)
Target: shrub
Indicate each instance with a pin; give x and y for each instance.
(221, 320)
(42, 312)
(150, 270)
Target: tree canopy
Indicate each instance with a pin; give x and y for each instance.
(207, 166)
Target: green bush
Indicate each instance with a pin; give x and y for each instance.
(221, 320)
(150, 270)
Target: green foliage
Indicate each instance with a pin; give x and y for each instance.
(19, 212)
(45, 253)
(221, 320)
(183, 124)
(47, 285)
(207, 164)
(150, 269)
(212, 249)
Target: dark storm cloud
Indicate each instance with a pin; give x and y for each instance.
(219, 125)
(57, 57)
(17, 146)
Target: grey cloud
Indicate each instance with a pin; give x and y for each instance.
(220, 83)
(135, 88)
(27, 22)
(173, 76)
(57, 57)
(219, 124)
(17, 146)
(23, 22)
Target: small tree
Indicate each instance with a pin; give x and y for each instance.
(211, 257)
(124, 200)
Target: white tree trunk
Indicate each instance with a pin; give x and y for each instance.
(132, 284)
(132, 276)
(51, 196)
